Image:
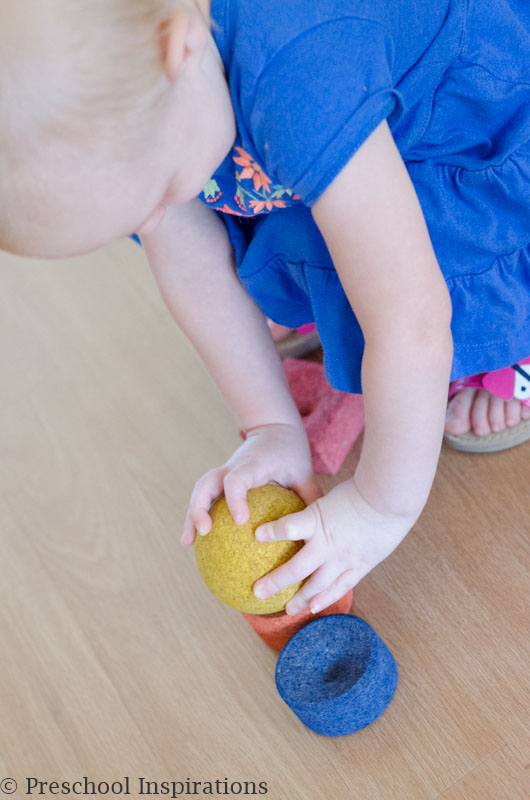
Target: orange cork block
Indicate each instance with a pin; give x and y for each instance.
(277, 629)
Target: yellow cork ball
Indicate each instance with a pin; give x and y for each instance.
(230, 558)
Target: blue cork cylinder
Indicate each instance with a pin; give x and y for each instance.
(336, 674)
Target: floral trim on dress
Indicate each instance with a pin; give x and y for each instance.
(257, 198)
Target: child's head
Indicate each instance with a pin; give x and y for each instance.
(106, 109)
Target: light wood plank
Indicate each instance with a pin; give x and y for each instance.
(499, 776)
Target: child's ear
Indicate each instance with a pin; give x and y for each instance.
(182, 38)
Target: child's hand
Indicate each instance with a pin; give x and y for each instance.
(275, 452)
(345, 538)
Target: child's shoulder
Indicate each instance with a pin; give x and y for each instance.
(264, 28)
(310, 81)
(253, 35)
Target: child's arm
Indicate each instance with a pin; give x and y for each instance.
(373, 226)
(193, 262)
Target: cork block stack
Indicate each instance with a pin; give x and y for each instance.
(333, 671)
(277, 629)
(337, 675)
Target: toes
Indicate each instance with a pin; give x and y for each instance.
(457, 419)
(496, 414)
(479, 413)
(513, 412)
(482, 413)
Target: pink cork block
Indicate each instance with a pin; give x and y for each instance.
(333, 420)
(277, 629)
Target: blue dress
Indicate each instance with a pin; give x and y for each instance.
(309, 82)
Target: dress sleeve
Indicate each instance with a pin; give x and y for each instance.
(319, 98)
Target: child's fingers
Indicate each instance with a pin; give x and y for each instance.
(342, 584)
(188, 531)
(302, 564)
(292, 527)
(206, 490)
(320, 581)
(237, 482)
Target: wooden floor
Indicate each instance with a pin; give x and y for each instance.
(116, 661)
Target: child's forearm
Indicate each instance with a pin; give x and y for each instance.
(372, 222)
(405, 399)
(193, 262)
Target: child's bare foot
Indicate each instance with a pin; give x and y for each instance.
(482, 413)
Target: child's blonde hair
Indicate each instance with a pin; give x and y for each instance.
(70, 69)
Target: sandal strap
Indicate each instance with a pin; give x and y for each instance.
(505, 383)
(470, 382)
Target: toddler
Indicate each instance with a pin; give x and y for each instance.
(360, 164)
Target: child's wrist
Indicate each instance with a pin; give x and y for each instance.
(375, 505)
(294, 425)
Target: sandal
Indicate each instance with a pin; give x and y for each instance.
(505, 383)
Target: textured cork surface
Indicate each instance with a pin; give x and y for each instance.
(277, 629)
(231, 560)
(337, 675)
(333, 420)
